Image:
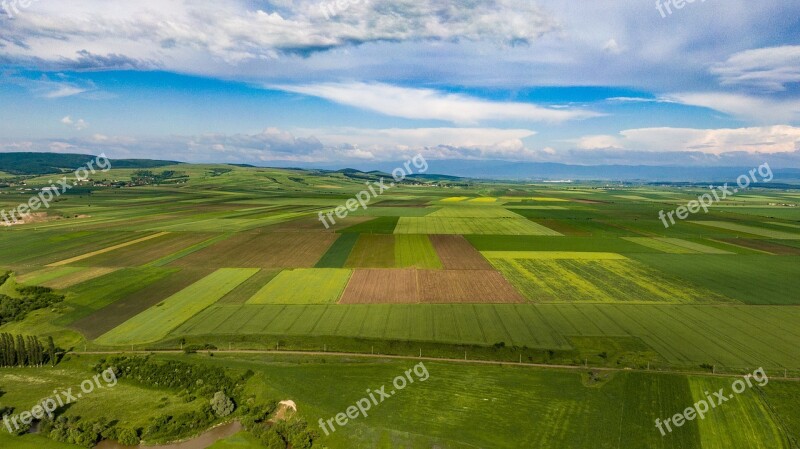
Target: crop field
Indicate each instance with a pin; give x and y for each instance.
(304, 286)
(591, 277)
(144, 252)
(563, 275)
(489, 226)
(157, 321)
(284, 250)
(752, 230)
(415, 251)
(456, 253)
(372, 251)
(112, 315)
(382, 286)
(679, 333)
(339, 252)
(89, 297)
(744, 420)
(675, 246)
(400, 286)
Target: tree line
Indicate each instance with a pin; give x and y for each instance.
(20, 350)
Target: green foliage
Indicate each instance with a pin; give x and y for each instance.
(32, 298)
(18, 350)
(74, 430)
(222, 405)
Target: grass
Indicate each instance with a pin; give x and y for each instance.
(304, 286)
(156, 322)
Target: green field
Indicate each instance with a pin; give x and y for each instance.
(157, 321)
(415, 251)
(240, 261)
(303, 286)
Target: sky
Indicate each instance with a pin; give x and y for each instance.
(335, 82)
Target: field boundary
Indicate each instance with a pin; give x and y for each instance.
(427, 359)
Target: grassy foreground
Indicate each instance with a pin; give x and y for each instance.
(458, 406)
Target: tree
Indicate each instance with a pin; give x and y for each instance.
(51, 351)
(222, 404)
(127, 437)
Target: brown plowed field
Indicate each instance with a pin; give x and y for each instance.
(396, 286)
(456, 253)
(273, 250)
(466, 286)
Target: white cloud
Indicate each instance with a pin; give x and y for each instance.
(745, 107)
(79, 125)
(767, 68)
(429, 104)
(154, 31)
(763, 140)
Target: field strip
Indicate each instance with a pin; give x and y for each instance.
(428, 359)
(186, 251)
(743, 247)
(47, 274)
(784, 224)
(106, 250)
(762, 232)
(552, 255)
(156, 322)
(79, 277)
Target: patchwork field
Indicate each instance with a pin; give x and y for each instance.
(284, 250)
(157, 321)
(583, 275)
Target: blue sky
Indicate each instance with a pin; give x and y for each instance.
(336, 82)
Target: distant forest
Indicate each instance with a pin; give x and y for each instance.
(47, 163)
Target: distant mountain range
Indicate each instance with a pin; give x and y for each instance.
(46, 163)
(545, 171)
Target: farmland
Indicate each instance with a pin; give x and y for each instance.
(583, 276)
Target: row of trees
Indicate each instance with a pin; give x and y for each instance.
(19, 350)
